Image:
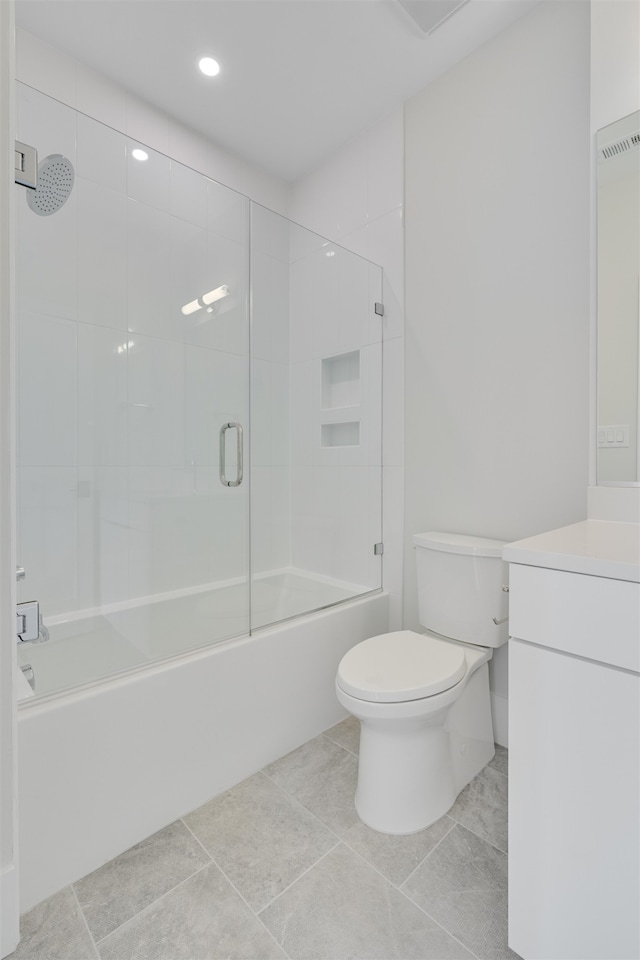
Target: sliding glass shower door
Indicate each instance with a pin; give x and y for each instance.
(190, 364)
(316, 402)
(133, 402)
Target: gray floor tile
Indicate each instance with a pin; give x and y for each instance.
(260, 837)
(55, 930)
(202, 919)
(346, 734)
(482, 807)
(323, 777)
(342, 908)
(463, 885)
(116, 892)
(501, 760)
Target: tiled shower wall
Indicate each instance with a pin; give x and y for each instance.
(356, 198)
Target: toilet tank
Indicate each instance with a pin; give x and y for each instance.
(460, 582)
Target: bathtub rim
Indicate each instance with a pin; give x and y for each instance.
(130, 674)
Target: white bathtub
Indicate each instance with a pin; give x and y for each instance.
(102, 768)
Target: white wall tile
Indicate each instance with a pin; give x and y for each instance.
(150, 531)
(227, 327)
(149, 180)
(301, 310)
(270, 308)
(354, 549)
(47, 265)
(393, 529)
(102, 255)
(147, 125)
(187, 147)
(102, 396)
(395, 612)
(228, 213)
(269, 233)
(156, 370)
(228, 524)
(393, 406)
(223, 167)
(261, 519)
(102, 154)
(280, 405)
(100, 98)
(325, 295)
(47, 392)
(314, 201)
(262, 412)
(192, 533)
(149, 271)
(189, 195)
(47, 535)
(103, 535)
(190, 277)
(281, 517)
(47, 125)
(216, 388)
(354, 314)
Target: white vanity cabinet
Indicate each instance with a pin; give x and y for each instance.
(574, 743)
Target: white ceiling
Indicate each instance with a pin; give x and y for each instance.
(298, 79)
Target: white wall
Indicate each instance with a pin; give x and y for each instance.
(356, 198)
(497, 306)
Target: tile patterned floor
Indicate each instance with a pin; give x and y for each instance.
(281, 868)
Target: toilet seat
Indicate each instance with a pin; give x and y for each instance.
(401, 666)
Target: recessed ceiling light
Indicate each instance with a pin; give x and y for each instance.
(209, 66)
(139, 154)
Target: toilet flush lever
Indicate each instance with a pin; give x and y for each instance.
(505, 589)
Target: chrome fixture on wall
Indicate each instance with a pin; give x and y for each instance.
(54, 185)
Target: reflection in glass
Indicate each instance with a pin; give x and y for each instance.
(618, 458)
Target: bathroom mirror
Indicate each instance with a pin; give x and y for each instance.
(618, 356)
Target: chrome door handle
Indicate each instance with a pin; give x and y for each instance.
(239, 454)
(20, 573)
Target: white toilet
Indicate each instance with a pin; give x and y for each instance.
(423, 698)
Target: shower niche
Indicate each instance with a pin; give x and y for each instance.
(340, 400)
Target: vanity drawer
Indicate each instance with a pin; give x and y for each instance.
(594, 617)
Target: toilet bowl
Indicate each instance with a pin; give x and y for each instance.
(423, 698)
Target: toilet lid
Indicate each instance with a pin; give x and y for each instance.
(399, 666)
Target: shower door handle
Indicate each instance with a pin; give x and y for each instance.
(223, 454)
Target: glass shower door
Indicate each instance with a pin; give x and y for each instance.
(133, 356)
(316, 400)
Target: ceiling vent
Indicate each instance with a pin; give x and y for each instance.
(618, 147)
(428, 15)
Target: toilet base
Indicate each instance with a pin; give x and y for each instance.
(412, 769)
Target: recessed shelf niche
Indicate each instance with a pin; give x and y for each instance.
(345, 434)
(341, 381)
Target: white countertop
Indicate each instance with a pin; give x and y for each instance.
(601, 548)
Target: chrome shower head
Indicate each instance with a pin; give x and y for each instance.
(55, 183)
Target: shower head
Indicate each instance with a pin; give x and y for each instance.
(55, 183)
